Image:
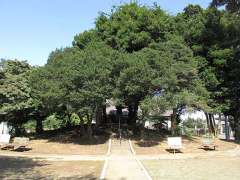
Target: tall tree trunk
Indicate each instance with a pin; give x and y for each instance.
(214, 125)
(104, 113)
(135, 111)
(89, 129)
(130, 114)
(99, 116)
(208, 122)
(18, 129)
(227, 135)
(211, 123)
(82, 129)
(39, 125)
(174, 122)
(69, 124)
(219, 123)
(237, 126)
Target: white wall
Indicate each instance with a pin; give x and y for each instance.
(4, 129)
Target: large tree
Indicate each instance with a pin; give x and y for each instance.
(131, 27)
(15, 101)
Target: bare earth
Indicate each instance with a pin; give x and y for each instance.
(24, 168)
(156, 146)
(224, 168)
(46, 147)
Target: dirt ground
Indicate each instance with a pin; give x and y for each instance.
(193, 145)
(224, 168)
(47, 147)
(24, 168)
(66, 142)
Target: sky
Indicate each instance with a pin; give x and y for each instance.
(31, 29)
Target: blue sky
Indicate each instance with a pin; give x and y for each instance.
(31, 29)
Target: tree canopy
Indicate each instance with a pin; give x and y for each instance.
(141, 57)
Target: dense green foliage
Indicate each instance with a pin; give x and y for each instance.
(16, 104)
(141, 57)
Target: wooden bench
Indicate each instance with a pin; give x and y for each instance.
(174, 143)
(18, 143)
(208, 143)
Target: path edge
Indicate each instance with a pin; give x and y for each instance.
(104, 170)
(139, 162)
(109, 147)
(131, 147)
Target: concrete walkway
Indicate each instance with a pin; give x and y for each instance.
(122, 164)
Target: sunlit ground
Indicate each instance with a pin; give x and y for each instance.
(195, 169)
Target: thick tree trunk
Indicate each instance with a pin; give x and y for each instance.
(174, 122)
(212, 124)
(142, 132)
(208, 122)
(82, 129)
(219, 123)
(89, 131)
(39, 126)
(69, 124)
(135, 111)
(237, 127)
(104, 114)
(18, 130)
(227, 135)
(98, 116)
(132, 115)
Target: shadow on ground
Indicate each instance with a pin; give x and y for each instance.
(25, 168)
(72, 135)
(153, 138)
(19, 168)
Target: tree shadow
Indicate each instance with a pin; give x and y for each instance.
(72, 135)
(147, 143)
(26, 168)
(154, 137)
(85, 177)
(19, 168)
(150, 138)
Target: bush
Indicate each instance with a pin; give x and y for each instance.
(53, 122)
(30, 126)
(75, 120)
